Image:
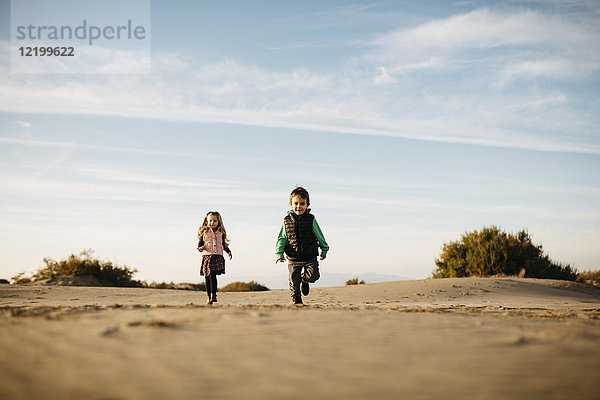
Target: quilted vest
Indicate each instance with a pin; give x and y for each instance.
(213, 242)
(302, 243)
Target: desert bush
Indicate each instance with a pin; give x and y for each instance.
(589, 277)
(4, 281)
(492, 252)
(20, 279)
(244, 287)
(177, 286)
(162, 285)
(82, 265)
(354, 281)
(191, 286)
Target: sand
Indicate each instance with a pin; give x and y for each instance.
(472, 338)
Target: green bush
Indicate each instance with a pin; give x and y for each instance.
(244, 287)
(354, 281)
(493, 252)
(82, 265)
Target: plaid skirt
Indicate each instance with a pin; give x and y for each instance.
(212, 264)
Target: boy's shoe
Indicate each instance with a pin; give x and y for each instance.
(305, 288)
(214, 298)
(209, 301)
(297, 300)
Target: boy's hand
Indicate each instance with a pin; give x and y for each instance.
(323, 257)
(282, 259)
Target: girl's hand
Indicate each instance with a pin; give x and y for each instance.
(230, 255)
(201, 249)
(282, 259)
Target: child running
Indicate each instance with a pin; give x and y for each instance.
(212, 240)
(300, 238)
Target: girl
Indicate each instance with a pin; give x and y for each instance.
(212, 240)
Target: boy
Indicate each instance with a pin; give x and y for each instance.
(300, 238)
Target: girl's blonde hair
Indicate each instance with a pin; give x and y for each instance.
(204, 226)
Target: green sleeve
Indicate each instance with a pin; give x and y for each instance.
(320, 238)
(281, 242)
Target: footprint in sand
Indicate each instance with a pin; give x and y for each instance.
(110, 331)
(154, 323)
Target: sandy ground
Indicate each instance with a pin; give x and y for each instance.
(492, 338)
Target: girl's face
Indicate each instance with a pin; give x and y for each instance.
(212, 221)
(298, 204)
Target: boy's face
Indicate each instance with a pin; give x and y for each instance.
(298, 204)
(212, 221)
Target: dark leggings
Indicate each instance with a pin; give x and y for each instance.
(211, 284)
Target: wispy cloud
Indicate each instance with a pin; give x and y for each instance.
(67, 145)
(23, 124)
(319, 44)
(103, 185)
(524, 43)
(138, 187)
(148, 152)
(555, 99)
(484, 28)
(548, 68)
(468, 59)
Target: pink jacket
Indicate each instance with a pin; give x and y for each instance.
(213, 242)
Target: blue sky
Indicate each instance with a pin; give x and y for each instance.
(409, 124)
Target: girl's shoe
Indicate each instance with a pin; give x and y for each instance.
(214, 298)
(209, 301)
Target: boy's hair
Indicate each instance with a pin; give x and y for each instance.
(205, 226)
(300, 191)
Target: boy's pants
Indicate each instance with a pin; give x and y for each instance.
(310, 274)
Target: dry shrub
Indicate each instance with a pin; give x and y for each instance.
(589, 277)
(244, 287)
(176, 286)
(354, 281)
(21, 279)
(81, 269)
